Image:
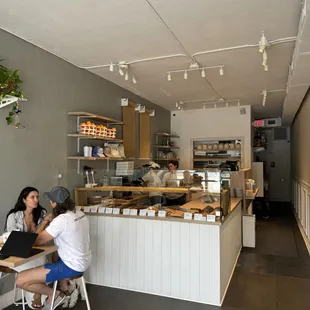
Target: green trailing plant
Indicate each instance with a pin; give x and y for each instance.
(9, 86)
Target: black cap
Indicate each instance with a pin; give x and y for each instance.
(57, 194)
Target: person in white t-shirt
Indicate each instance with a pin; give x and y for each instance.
(170, 180)
(70, 231)
(152, 180)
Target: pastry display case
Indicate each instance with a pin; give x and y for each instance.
(205, 193)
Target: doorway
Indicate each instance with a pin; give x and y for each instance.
(276, 158)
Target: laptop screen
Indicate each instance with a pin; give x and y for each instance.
(19, 244)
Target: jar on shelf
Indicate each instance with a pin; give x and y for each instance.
(231, 146)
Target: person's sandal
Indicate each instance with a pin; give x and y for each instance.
(36, 303)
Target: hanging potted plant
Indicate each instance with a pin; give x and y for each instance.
(10, 93)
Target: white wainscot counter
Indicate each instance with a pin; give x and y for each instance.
(175, 258)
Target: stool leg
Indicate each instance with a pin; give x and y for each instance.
(14, 291)
(86, 295)
(54, 293)
(23, 300)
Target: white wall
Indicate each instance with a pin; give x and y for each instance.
(301, 204)
(211, 123)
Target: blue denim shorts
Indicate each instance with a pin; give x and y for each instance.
(59, 271)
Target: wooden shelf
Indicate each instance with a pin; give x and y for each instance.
(216, 159)
(165, 147)
(253, 197)
(165, 159)
(95, 116)
(196, 150)
(93, 158)
(134, 189)
(78, 135)
(164, 134)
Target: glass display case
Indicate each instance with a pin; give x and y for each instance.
(186, 194)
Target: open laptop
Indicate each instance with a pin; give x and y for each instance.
(19, 244)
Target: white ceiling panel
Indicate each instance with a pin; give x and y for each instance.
(89, 33)
(93, 33)
(205, 25)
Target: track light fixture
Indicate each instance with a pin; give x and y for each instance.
(265, 58)
(195, 68)
(120, 71)
(123, 70)
(262, 48)
(179, 105)
(264, 93)
(263, 43)
(111, 68)
(212, 102)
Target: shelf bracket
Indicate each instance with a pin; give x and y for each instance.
(78, 167)
(124, 102)
(9, 100)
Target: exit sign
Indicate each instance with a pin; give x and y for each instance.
(259, 123)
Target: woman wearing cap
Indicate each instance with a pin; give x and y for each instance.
(152, 180)
(70, 231)
(170, 180)
(28, 215)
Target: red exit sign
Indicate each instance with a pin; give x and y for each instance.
(259, 123)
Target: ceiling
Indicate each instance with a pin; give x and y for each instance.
(93, 33)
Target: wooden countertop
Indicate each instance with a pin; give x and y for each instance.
(234, 203)
(135, 189)
(197, 204)
(125, 202)
(254, 195)
(14, 261)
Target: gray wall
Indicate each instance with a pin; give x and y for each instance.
(34, 155)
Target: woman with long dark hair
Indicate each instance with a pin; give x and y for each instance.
(28, 215)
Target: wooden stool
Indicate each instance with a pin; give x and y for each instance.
(12, 271)
(84, 288)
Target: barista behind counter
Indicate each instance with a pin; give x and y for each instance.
(170, 180)
(152, 180)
